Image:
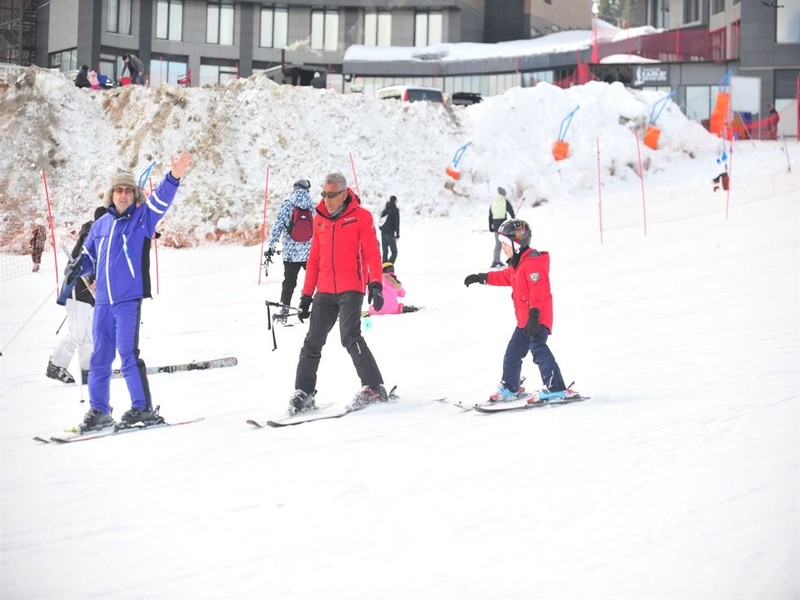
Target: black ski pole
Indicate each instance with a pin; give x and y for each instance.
(60, 326)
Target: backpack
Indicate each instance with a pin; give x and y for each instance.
(301, 225)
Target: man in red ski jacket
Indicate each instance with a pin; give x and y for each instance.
(344, 261)
(528, 275)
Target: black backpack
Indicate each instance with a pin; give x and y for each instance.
(301, 225)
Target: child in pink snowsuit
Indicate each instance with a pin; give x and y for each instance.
(392, 290)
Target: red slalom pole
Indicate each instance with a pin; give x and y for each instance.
(599, 193)
(355, 176)
(641, 176)
(50, 222)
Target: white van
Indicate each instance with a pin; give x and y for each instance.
(408, 93)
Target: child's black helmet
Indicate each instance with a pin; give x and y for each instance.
(516, 230)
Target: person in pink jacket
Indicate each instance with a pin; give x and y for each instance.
(528, 275)
(392, 290)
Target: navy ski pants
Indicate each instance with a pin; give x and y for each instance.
(518, 347)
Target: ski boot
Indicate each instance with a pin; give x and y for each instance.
(145, 417)
(60, 373)
(368, 395)
(95, 420)
(302, 401)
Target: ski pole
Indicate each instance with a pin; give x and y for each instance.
(270, 326)
(62, 324)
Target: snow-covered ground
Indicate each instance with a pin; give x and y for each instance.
(679, 479)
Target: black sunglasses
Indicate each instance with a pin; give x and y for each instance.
(331, 195)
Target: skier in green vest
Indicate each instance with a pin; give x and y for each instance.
(499, 212)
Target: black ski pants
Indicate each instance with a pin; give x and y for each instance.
(388, 244)
(290, 271)
(324, 311)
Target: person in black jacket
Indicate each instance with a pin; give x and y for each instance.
(390, 230)
(82, 78)
(80, 316)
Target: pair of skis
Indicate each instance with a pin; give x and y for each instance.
(320, 413)
(537, 400)
(78, 435)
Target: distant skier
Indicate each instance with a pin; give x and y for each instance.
(499, 211)
(296, 244)
(528, 274)
(38, 241)
(390, 230)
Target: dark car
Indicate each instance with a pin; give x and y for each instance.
(465, 98)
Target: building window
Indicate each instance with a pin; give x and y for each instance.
(210, 74)
(274, 27)
(325, 30)
(788, 22)
(169, 20)
(119, 16)
(691, 11)
(167, 70)
(717, 6)
(219, 23)
(378, 28)
(66, 60)
(427, 28)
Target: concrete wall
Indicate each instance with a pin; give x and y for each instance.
(63, 26)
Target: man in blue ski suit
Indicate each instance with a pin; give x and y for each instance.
(115, 250)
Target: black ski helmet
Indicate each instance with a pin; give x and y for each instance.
(518, 231)
(302, 184)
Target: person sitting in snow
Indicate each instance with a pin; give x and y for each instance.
(82, 78)
(528, 275)
(392, 290)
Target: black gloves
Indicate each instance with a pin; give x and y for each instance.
(476, 278)
(305, 307)
(375, 296)
(270, 252)
(532, 327)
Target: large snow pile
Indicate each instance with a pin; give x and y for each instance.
(240, 130)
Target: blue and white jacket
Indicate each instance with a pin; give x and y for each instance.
(292, 251)
(117, 247)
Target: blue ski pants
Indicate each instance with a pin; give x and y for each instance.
(116, 329)
(518, 347)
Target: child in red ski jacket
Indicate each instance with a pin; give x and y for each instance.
(528, 275)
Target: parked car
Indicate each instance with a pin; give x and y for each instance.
(465, 98)
(407, 93)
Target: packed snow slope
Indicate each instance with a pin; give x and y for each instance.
(239, 130)
(677, 309)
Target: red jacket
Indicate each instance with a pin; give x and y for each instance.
(530, 286)
(344, 254)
